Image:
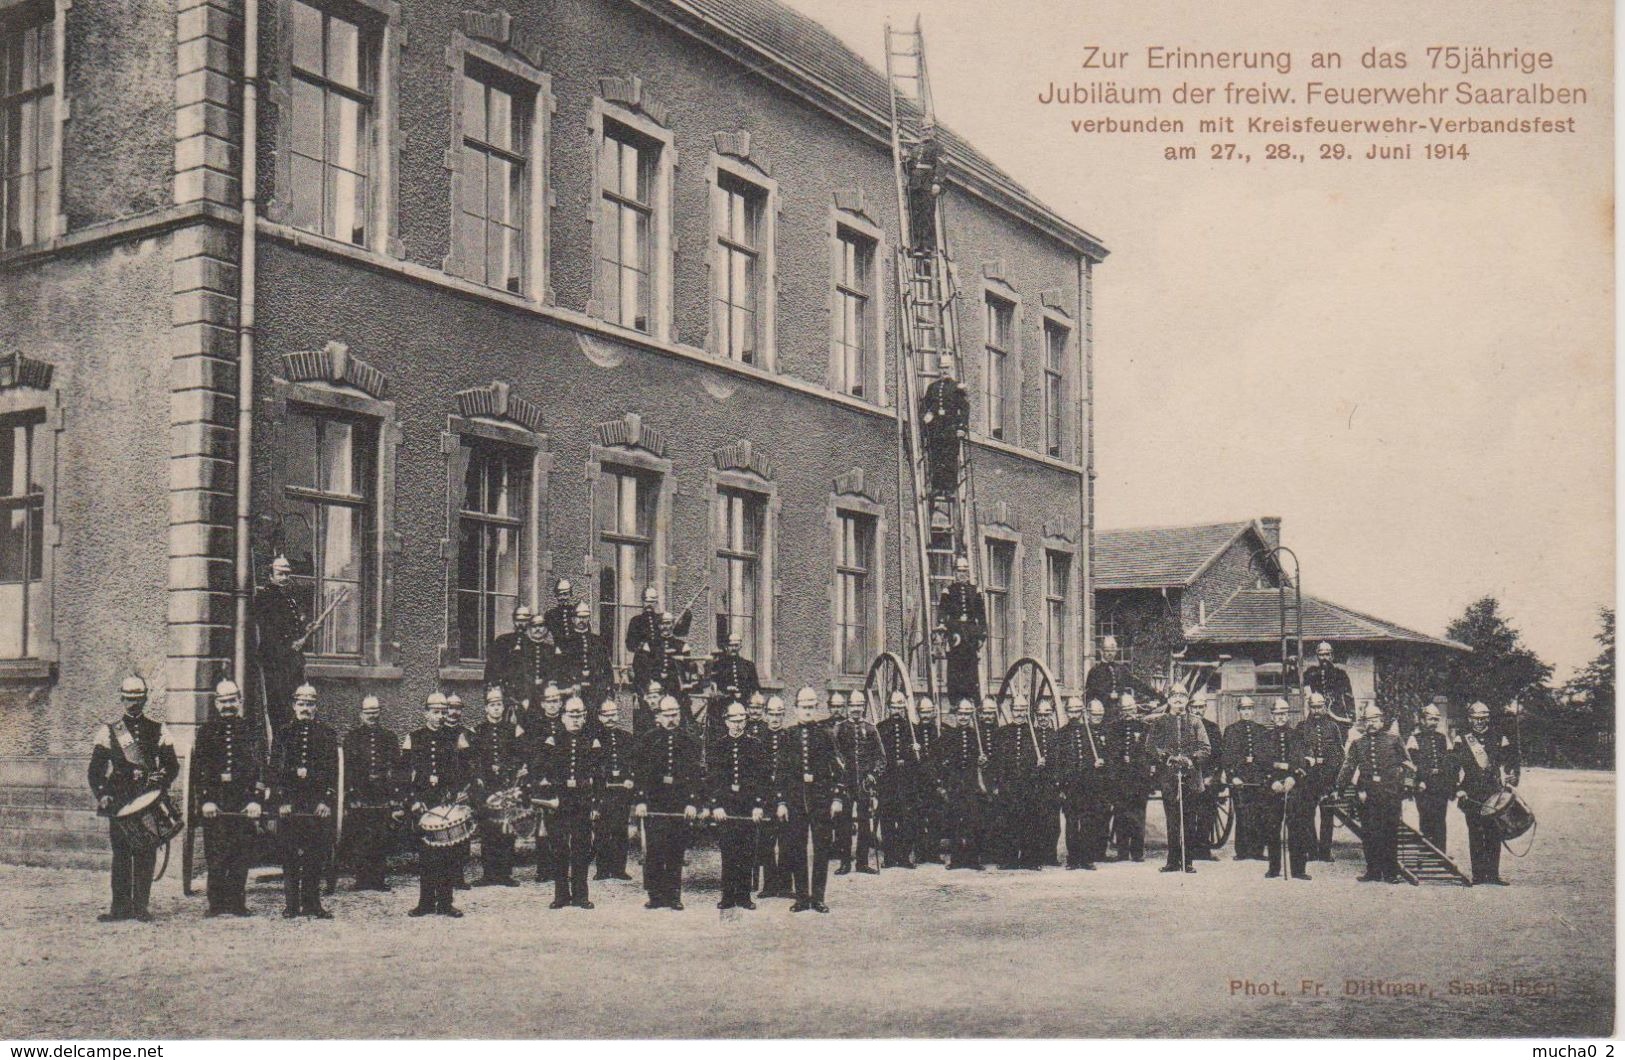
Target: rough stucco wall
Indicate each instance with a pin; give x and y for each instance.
(118, 147)
(433, 343)
(1032, 265)
(101, 316)
(809, 154)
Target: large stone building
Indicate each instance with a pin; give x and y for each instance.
(587, 288)
(1213, 592)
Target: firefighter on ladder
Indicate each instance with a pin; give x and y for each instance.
(963, 617)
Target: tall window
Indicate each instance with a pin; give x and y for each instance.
(1109, 625)
(1055, 339)
(626, 169)
(27, 131)
(626, 518)
(332, 498)
(1001, 565)
(495, 180)
(335, 74)
(490, 543)
(1057, 615)
(740, 523)
(854, 304)
(1000, 336)
(22, 498)
(741, 232)
(854, 567)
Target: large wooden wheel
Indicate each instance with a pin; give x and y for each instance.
(887, 674)
(1031, 678)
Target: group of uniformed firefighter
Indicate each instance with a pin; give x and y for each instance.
(786, 791)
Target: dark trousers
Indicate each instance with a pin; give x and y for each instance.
(573, 846)
(736, 839)
(306, 845)
(1298, 823)
(228, 844)
(808, 880)
(439, 870)
(897, 831)
(1247, 809)
(1483, 844)
(367, 833)
(1430, 814)
(132, 876)
(942, 458)
(1021, 812)
(1128, 824)
(547, 854)
(1047, 828)
(928, 814)
(1180, 821)
(1206, 805)
(1323, 847)
(667, 838)
(1087, 819)
(966, 814)
(850, 826)
(773, 859)
(1379, 820)
(284, 671)
(609, 837)
(496, 852)
(964, 666)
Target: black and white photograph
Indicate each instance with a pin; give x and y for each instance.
(806, 519)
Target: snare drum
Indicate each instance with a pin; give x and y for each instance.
(511, 812)
(1511, 816)
(446, 826)
(147, 821)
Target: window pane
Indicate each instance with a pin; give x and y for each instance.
(473, 108)
(338, 457)
(306, 33)
(346, 126)
(306, 211)
(11, 621)
(307, 118)
(499, 130)
(13, 460)
(13, 525)
(299, 450)
(474, 179)
(344, 53)
(469, 548)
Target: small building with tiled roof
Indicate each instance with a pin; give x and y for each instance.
(1213, 592)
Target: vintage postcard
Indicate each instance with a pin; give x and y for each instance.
(575, 519)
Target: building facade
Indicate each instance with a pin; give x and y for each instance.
(596, 289)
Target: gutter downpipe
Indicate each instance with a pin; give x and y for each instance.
(247, 258)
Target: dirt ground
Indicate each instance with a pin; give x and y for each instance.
(1121, 952)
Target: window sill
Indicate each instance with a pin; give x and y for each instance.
(461, 673)
(27, 670)
(347, 671)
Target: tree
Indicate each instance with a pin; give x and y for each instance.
(1593, 687)
(1500, 668)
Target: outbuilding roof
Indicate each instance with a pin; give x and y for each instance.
(1251, 616)
(1162, 557)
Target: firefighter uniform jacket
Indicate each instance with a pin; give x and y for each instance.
(435, 762)
(1377, 764)
(737, 775)
(226, 762)
(372, 757)
(496, 755)
(1433, 759)
(666, 767)
(1244, 756)
(305, 767)
(131, 756)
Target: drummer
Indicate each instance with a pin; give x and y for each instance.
(131, 757)
(498, 755)
(435, 757)
(1488, 762)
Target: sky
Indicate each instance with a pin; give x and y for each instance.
(1411, 363)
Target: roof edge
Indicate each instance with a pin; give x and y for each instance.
(1416, 636)
(838, 104)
